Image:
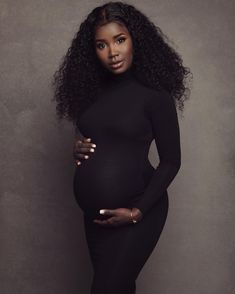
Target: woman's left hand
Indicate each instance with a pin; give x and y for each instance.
(119, 216)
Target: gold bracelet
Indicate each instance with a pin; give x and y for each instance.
(134, 221)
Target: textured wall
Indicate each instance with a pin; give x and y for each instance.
(42, 243)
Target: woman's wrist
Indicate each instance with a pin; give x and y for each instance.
(136, 214)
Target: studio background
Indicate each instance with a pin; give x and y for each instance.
(42, 241)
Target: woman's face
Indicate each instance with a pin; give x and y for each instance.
(114, 47)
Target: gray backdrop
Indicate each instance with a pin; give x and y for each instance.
(42, 244)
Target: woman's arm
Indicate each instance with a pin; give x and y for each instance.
(164, 120)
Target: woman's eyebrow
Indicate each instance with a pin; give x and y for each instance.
(113, 37)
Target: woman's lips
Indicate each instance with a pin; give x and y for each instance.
(117, 65)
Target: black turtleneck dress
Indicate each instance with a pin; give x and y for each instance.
(122, 122)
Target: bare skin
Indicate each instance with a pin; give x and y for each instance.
(82, 148)
(113, 43)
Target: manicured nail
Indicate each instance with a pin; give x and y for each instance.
(89, 139)
(93, 145)
(92, 150)
(86, 156)
(102, 211)
(78, 162)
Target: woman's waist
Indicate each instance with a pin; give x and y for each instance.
(115, 170)
(109, 180)
(114, 166)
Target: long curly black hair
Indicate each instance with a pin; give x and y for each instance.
(155, 62)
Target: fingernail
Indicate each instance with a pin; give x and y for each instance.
(86, 156)
(93, 145)
(78, 162)
(92, 150)
(102, 211)
(89, 139)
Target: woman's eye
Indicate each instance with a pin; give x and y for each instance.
(99, 45)
(121, 39)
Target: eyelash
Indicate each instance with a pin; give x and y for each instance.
(122, 38)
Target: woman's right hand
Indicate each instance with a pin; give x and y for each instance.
(82, 149)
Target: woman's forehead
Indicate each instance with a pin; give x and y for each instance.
(111, 29)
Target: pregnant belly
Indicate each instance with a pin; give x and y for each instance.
(107, 184)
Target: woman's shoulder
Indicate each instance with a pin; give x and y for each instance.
(159, 101)
(157, 97)
(152, 93)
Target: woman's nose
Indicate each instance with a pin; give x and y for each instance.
(112, 51)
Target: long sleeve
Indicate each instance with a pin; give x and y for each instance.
(165, 127)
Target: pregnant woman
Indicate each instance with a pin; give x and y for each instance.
(119, 84)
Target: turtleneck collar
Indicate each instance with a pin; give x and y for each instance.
(123, 77)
